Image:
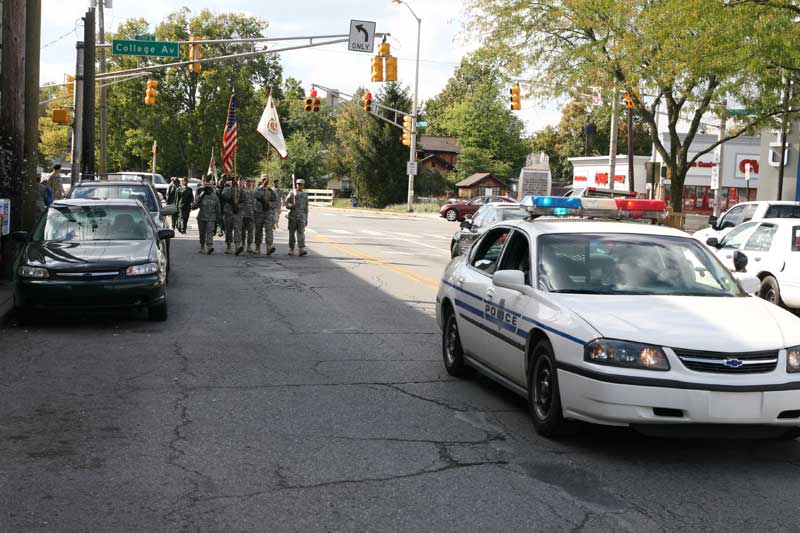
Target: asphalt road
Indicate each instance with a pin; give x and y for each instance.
(307, 394)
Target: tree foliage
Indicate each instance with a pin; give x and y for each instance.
(685, 56)
(189, 116)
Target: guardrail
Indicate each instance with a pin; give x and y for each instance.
(320, 197)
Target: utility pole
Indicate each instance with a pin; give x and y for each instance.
(33, 31)
(631, 186)
(155, 155)
(103, 91)
(717, 169)
(88, 157)
(784, 128)
(77, 120)
(612, 150)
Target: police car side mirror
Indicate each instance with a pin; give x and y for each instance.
(510, 279)
(712, 221)
(466, 224)
(713, 242)
(164, 234)
(739, 261)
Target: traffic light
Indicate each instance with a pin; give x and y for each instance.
(377, 68)
(391, 68)
(383, 49)
(628, 100)
(70, 85)
(150, 93)
(407, 130)
(60, 116)
(516, 99)
(195, 53)
(367, 102)
(311, 103)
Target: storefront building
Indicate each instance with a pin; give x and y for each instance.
(734, 188)
(593, 172)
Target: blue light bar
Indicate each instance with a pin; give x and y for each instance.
(563, 202)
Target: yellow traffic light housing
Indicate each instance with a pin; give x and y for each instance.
(383, 49)
(308, 104)
(407, 130)
(516, 98)
(60, 116)
(628, 100)
(195, 54)
(367, 106)
(150, 92)
(377, 68)
(316, 105)
(391, 68)
(70, 84)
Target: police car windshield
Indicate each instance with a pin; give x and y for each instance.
(631, 264)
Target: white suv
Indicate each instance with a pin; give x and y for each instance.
(745, 212)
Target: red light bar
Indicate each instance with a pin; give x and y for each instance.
(640, 205)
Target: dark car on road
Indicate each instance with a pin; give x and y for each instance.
(488, 215)
(459, 211)
(92, 254)
(134, 189)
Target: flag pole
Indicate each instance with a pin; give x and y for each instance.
(235, 184)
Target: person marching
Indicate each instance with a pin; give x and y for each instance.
(232, 217)
(297, 204)
(172, 199)
(54, 183)
(276, 186)
(185, 201)
(246, 202)
(266, 206)
(220, 185)
(207, 217)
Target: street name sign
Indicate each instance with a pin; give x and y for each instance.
(124, 47)
(411, 168)
(362, 36)
(422, 123)
(145, 37)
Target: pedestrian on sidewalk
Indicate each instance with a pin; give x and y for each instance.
(276, 186)
(232, 216)
(210, 210)
(185, 201)
(265, 206)
(297, 204)
(54, 183)
(246, 200)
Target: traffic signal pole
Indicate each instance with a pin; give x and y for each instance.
(77, 121)
(612, 149)
(412, 157)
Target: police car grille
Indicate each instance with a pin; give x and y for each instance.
(728, 363)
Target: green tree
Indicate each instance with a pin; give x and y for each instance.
(306, 159)
(189, 116)
(369, 151)
(686, 57)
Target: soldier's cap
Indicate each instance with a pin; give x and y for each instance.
(301, 181)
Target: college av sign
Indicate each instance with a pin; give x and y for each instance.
(124, 47)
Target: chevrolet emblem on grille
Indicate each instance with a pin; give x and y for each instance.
(733, 363)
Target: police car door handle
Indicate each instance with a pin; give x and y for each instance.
(758, 259)
(489, 294)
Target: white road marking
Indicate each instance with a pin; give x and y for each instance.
(341, 231)
(376, 233)
(309, 230)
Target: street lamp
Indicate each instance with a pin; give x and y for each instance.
(412, 158)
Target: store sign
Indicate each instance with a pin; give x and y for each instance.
(597, 176)
(742, 160)
(702, 167)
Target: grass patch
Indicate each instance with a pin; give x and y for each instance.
(418, 208)
(342, 203)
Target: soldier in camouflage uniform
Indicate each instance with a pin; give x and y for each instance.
(246, 202)
(208, 203)
(276, 186)
(267, 204)
(232, 217)
(297, 204)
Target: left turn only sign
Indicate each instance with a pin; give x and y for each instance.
(362, 36)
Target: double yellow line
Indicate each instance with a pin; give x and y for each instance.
(422, 279)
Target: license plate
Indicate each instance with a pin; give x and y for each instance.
(733, 405)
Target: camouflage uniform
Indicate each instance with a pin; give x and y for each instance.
(266, 208)
(246, 206)
(281, 200)
(232, 218)
(297, 204)
(210, 210)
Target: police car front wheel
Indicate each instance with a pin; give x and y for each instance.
(452, 351)
(544, 398)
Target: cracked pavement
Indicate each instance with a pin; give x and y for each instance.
(288, 394)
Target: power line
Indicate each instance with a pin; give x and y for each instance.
(54, 41)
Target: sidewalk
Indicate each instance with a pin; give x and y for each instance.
(379, 211)
(6, 300)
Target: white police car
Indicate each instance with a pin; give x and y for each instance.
(618, 323)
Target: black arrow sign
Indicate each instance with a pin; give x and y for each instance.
(361, 28)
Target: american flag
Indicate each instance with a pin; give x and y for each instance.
(230, 138)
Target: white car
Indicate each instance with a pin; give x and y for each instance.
(769, 249)
(618, 323)
(745, 212)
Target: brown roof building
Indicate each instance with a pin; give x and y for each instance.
(481, 184)
(437, 153)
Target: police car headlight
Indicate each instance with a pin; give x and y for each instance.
(793, 359)
(627, 354)
(142, 270)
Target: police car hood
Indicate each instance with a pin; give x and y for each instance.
(697, 323)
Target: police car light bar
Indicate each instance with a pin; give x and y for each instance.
(595, 207)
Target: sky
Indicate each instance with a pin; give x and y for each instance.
(443, 42)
